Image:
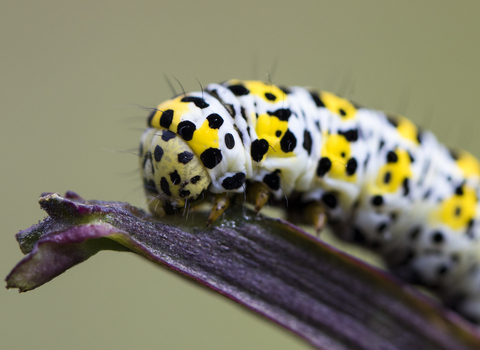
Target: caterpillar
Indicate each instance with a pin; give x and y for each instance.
(375, 178)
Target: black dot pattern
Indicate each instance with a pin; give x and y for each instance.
(229, 141)
(211, 157)
(198, 101)
(258, 149)
(288, 142)
(167, 135)
(214, 121)
(165, 186)
(166, 119)
(307, 141)
(234, 182)
(239, 90)
(158, 153)
(185, 157)
(324, 165)
(272, 180)
(175, 178)
(186, 129)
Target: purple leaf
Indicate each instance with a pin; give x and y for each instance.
(331, 300)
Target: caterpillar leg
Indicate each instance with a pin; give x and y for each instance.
(220, 203)
(155, 206)
(258, 194)
(315, 215)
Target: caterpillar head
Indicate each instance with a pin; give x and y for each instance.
(173, 174)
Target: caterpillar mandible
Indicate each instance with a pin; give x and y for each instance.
(376, 178)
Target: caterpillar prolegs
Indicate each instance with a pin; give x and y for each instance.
(375, 178)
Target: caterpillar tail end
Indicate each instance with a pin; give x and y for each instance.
(220, 203)
(258, 194)
(315, 215)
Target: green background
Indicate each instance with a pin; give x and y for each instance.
(72, 75)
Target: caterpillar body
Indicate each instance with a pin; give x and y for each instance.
(376, 178)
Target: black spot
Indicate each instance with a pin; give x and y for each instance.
(351, 166)
(211, 157)
(330, 200)
(239, 90)
(186, 129)
(392, 157)
(229, 141)
(381, 227)
(195, 179)
(365, 163)
(411, 157)
(316, 98)
(427, 194)
(214, 121)
(167, 135)
(242, 112)
(185, 157)
(415, 232)
(282, 114)
(324, 165)
(459, 191)
(381, 144)
(270, 97)
(343, 154)
(241, 136)
(150, 187)
(358, 236)
(272, 180)
(158, 153)
(437, 237)
(317, 123)
(406, 186)
(393, 216)
(175, 177)
(184, 193)
(234, 182)
(165, 187)
(150, 117)
(198, 101)
(278, 133)
(350, 135)
(307, 141)
(387, 177)
(248, 130)
(393, 121)
(230, 109)
(258, 149)
(458, 211)
(471, 222)
(377, 200)
(342, 112)
(288, 142)
(166, 118)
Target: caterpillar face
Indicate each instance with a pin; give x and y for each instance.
(172, 172)
(378, 179)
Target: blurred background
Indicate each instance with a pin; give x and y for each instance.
(72, 75)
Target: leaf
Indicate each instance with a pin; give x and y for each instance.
(273, 268)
